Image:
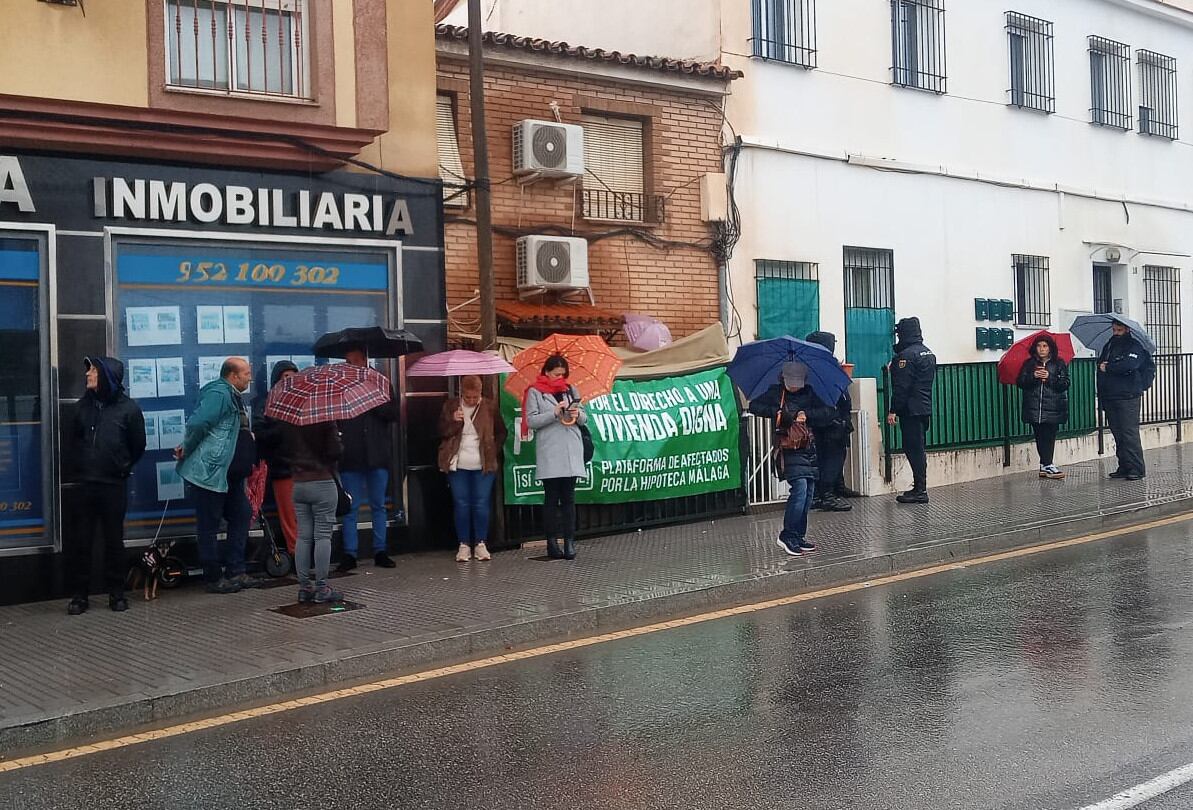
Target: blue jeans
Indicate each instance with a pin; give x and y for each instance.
(470, 494)
(795, 517)
(210, 508)
(361, 484)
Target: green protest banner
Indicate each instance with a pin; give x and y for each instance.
(654, 440)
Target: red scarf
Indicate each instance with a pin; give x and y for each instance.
(545, 385)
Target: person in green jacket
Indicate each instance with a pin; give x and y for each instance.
(216, 455)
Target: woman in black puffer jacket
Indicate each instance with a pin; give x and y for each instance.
(1044, 379)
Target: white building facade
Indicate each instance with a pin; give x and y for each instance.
(992, 168)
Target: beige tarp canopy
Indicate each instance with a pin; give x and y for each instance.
(704, 349)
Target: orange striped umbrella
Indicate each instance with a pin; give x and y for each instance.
(591, 363)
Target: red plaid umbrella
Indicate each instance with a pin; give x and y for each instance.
(254, 488)
(327, 394)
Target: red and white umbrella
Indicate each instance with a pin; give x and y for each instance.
(327, 394)
(459, 363)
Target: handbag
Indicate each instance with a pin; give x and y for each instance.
(343, 498)
(589, 447)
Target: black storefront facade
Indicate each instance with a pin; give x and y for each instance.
(173, 268)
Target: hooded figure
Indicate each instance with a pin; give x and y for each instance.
(832, 444)
(109, 433)
(109, 425)
(1044, 379)
(912, 370)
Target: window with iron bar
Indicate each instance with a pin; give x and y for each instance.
(917, 45)
(1032, 304)
(1162, 307)
(1103, 289)
(1110, 83)
(788, 296)
(785, 31)
(1033, 74)
(614, 171)
(1157, 95)
(257, 47)
(451, 165)
(869, 278)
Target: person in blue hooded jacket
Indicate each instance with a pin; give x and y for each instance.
(216, 455)
(109, 431)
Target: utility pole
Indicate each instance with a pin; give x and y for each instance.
(480, 151)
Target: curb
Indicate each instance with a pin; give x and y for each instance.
(101, 720)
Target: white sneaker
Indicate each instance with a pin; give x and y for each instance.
(1052, 471)
(464, 554)
(482, 552)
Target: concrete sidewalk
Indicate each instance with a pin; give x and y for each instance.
(64, 677)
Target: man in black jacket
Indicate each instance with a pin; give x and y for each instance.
(832, 443)
(364, 471)
(1125, 371)
(912, 371)
(110, 432)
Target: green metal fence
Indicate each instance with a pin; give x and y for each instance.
(972, 409)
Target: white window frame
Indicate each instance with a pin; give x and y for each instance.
(299, 48)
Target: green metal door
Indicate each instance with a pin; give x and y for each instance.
(788, 298)
(869, 312)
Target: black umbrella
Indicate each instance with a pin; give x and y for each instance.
(377, 341)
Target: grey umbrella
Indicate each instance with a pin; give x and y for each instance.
(1094, 330)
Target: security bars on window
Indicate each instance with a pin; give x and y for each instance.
(917, 45)
(869, 278)
(785, 31)
(1032, 305)
(1110, 83)
(1162, 307)
(1157, 95)
(1033, 78)
(787, 271)
(238, 46)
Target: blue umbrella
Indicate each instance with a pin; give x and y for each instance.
(756, 367)
(1094, 330)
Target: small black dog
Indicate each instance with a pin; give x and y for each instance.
(144, 572)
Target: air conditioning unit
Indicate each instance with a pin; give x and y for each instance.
(552, 263)
(548, 149)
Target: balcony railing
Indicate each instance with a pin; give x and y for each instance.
(622, 206)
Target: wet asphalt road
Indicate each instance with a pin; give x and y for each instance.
(1052, 681)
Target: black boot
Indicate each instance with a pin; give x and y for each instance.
(569, 549)
(913, 495)
(832, 503)
(78, 606)
(817, 502)
(553, 551)
(844, 491)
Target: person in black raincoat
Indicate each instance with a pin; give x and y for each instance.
(1125, 370)
(912, 371)
(109, 430)
(364, 470)
(1044, 379)
(797, 413)
(832, 444)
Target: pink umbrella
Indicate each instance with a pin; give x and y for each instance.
(458, 363)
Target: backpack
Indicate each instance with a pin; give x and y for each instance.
(1147, 374)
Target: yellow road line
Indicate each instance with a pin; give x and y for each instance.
(550, 649)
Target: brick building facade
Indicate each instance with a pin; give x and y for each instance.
(652, 256)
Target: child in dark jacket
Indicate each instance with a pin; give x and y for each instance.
(796, 412)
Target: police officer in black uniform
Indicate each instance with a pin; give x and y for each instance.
(912, 371)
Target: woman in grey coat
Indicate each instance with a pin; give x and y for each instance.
(552, 409)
